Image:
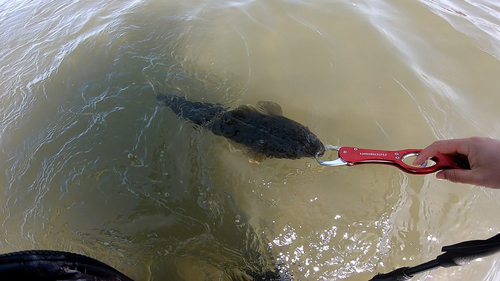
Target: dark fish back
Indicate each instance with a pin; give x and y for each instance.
(272, 136)
(196, 112)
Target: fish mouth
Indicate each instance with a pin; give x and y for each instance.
(320, 153)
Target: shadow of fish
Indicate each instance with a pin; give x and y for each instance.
(261, 131)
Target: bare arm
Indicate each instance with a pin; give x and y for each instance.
(483, 155)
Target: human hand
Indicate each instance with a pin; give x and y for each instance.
(483, 155)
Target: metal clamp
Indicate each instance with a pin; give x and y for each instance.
(336, 162)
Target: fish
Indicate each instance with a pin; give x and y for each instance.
(261, 130)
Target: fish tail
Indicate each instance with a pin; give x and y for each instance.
(196, 112)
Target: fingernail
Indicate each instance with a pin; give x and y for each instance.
(440, 176)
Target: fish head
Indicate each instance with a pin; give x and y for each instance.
(308, 144)
(296, 140)
(315, 147)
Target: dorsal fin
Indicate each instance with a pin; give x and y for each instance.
(247, 107)
(269, 108)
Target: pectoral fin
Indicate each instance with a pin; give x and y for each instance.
(253, 157)
(234, 146)
(269, 108)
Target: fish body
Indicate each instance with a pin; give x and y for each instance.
(262, 130)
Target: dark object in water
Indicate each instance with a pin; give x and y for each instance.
(262, 130)
(55, 265)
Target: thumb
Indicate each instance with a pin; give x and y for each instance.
(456, 175)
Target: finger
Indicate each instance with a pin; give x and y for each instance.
(454, 146)
(430, 151)
(457, 175)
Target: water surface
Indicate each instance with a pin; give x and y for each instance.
(92, 164)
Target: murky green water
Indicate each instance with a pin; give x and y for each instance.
(92, 164)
